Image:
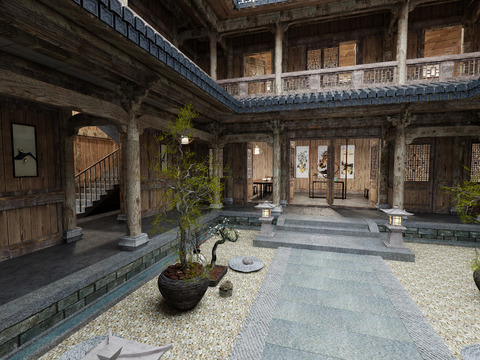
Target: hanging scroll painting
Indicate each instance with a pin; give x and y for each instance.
(349, 156)
(322, 161)
(302, 156)
(24, 150)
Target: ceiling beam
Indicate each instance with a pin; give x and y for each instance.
(311, 13)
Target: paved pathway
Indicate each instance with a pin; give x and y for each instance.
(323, 305)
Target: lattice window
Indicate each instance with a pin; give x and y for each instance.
(314, 59)
(475, 164)
(417, 164)
(330, 57)
(374, 163)
(468, 67)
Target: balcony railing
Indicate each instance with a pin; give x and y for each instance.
(440, 69)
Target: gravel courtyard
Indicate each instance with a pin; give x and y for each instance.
(439, 281)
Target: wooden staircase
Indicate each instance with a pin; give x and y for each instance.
(97, 183)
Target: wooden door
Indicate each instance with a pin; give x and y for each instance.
(249, 167)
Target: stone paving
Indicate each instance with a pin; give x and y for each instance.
(322, 305)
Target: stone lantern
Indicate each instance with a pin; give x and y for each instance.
(395, 227)
(266, 219)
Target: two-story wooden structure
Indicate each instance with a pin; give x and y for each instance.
(382, 96)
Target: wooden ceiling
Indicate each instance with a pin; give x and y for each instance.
(223, 9)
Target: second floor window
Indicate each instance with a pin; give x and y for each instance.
(331, 57)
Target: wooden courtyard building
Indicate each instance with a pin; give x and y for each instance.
(386, 92)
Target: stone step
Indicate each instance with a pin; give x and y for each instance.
(329, 227)
(363, 245)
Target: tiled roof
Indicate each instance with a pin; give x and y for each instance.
(132, 26)
(242, 4)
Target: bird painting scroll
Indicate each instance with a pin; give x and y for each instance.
(302, 161)
(24, 150)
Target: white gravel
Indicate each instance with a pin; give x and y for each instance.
(440, 282)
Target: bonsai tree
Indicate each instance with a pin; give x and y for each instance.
(187, 185)
(466, 199)
(226, 233)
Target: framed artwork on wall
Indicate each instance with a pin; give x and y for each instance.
(24, 150)
(322, 160)
(347, 157)
(302, 158)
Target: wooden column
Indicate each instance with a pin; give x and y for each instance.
(400, 122)
(228, 159)
(384, 156)
(278, 57)
(402, 36)
(284, 160)
(71, 232)
(213, 56)
(217, 166)
(330, 172)
(230, 61)
(277, 165)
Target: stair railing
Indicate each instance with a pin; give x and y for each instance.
(100, 176)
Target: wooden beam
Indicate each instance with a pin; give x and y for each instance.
(16, 202)
(444, 131)
(244, 138)
(19, 86)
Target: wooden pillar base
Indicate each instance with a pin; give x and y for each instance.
(131, 243)
(73, 235)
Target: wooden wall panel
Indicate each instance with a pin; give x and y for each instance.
(347, 54)
(89, 150)
(262, 163)
(372, 50)
(412, 43)
(296, 59)
(443, 41)
(25, 225)
(476, 37)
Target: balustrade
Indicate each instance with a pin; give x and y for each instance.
(441, 68)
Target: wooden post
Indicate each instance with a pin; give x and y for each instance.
(278, 57)
(213, 56)
(277, 165)
(284, 173)
(230, 61)
(400, 123)
(330, 171)
(384, 156)
(71, 232)
(217, 166)
(402, 36)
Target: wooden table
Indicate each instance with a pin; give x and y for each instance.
(263, 185)
(324, 189)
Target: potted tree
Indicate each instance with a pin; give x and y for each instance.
(187, 189)
(466, 200)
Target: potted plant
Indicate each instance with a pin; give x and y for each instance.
(188, 187)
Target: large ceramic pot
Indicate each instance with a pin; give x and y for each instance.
(476, 278)
(183, 294)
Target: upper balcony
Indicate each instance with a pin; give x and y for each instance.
(423, 70)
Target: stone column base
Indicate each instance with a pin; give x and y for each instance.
(73, 235)
(216, 206)
(121, 218)
(283, 203)
(277, 210)
(132, 242)
(228, 201)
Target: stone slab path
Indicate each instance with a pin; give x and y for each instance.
(324, 305)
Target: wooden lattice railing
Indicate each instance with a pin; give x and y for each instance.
(441, 68)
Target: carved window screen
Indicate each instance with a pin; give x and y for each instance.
(374, 163)
(417, 165)
(314, 59)
(475, 164)
(330, 57)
